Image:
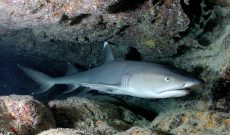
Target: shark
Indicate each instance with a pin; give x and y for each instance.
(133, 78)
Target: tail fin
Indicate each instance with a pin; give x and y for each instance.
(44, 80)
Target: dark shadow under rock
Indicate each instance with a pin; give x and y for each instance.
(133, 54)
(125, 5)
(82, 113)
(221, 93)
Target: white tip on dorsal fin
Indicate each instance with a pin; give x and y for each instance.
(108, 55)
(71, 69)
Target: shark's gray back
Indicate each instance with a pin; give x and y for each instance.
(112, 73)
(109, 73)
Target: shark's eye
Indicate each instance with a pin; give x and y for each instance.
(167, 79)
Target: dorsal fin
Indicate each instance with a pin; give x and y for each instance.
(71, 69)
(108, 55)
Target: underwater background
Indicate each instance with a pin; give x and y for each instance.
(46, 35)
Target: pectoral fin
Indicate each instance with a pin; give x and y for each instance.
(71, 88)
(84, 92)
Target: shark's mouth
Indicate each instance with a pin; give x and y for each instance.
(185, 87)
(182, 89)
(174, 93)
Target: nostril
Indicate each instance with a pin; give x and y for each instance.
(189, 84)
(184, 85)
(202, 83)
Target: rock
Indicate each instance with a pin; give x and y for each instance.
(141, 131)
(148, 26)
(178, 121)
(88, 115)
(27, 13)
(64, 131)
(22, 115)
(220, 2)
(208, 20)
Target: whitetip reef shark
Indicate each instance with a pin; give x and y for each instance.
(133, 78)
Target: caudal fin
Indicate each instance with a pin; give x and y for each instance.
(44, 80)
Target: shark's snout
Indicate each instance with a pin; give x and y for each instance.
(198, 83)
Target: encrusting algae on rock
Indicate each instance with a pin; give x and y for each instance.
(142, 131)
(150, 43)
(23, 115)
(190, 122)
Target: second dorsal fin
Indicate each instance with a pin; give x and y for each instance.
(108, 55)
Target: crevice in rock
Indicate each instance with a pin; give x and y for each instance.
(147, 114)
(192, 9)
(206, 20)
(122, 29)
(221, 93)
(73, 20)
(78, 19)
(158, 2)
(198, 71)
(181, 50)
(133, 54)
(64, 18)
(125, 5)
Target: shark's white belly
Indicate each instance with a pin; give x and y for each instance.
(146, 93)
